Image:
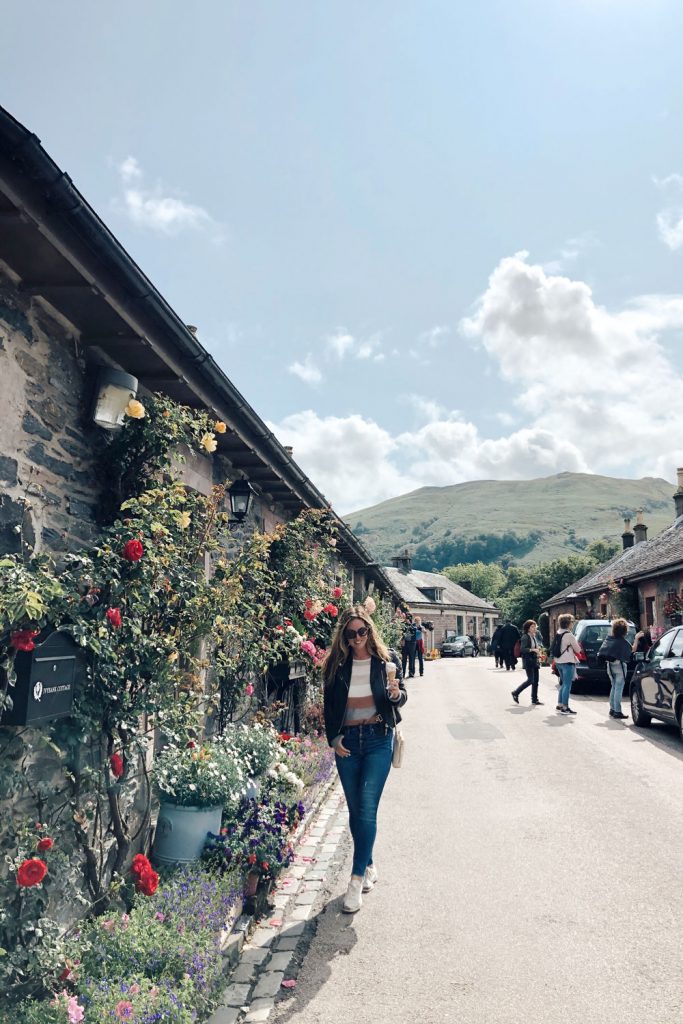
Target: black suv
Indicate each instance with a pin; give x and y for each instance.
(657, 684)
(590, 633)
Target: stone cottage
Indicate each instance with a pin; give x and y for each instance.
(644, 582)
(450, 607)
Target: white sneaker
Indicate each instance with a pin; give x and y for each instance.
(353, 900)
(370, 878)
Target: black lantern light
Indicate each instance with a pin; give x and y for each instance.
(240, 497)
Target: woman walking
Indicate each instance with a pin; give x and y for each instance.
(565, 662)
(616, 651)
(363, 692)
(529, 650)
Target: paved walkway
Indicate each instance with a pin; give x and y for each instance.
(272, 958)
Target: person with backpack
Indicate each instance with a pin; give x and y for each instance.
(507, 644)
(564, 651)
(616, 652)
(409, 647)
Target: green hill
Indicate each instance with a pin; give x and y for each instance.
(510, 521)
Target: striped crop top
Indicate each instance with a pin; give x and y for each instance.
(361, 703)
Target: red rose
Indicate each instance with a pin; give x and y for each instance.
(284, 736)
(114, 616)
(22, 639)
(337, 592)
(309, 616)
(140, 865)
(251, 859)
(148, 882)
(45, 844)
(133, 551)
(265, 865)
(31, 872)
(116, 764)
(331, 609)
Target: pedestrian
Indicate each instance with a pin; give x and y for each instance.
(494, 646)
(616, 651)
(419, 644)
(509, 636)
(642, 643)
(565, 649)
(529, 647)
(475, 645)
(409, 647)
(362, 695)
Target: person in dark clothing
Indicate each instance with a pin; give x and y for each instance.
(409, 647)
(616, 652)
(420, 644)
(494, 645)
(530, 661)
(475, 644)
(509, 635)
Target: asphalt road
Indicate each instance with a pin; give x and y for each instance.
(530, 866)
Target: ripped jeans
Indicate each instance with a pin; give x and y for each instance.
(363, 775)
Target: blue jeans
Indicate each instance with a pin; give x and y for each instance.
(363, 775)
(615, 670)
(567, 673)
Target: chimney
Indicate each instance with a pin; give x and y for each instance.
(640, 529)
(403, 562)
(627, 537)
(678, 496)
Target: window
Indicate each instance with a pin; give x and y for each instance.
(432, 593)
(660, 649)
(677, 645)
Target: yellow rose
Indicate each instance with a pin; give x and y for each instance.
(184, 520)
(209, 442)
(135, 409)
(220, 427)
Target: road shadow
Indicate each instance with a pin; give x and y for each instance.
(329, 934)
(661, 735)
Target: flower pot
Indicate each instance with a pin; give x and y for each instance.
(181, 832)
(251, 883)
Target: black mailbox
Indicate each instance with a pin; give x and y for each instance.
(45, 680)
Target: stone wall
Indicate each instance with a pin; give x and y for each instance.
(48, 484)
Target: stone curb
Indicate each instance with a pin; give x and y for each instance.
(261, 955)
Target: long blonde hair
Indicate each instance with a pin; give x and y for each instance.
(339, 650)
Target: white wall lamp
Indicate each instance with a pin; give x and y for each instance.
(113, 391)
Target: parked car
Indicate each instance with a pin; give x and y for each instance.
(590, 633)
(657, 683)
(457, 647)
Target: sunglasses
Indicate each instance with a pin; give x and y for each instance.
(351, 634)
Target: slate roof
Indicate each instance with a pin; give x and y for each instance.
(650, 558)
(409, 583)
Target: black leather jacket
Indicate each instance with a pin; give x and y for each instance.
(337, 692)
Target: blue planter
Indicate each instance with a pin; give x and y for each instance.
(181, 832)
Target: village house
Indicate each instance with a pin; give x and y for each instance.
(79, 320)
(451, 608)
(644, 582)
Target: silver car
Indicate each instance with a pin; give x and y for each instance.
(457, 647)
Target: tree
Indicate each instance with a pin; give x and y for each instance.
(602, 550)
(486, 581)
(527, 589)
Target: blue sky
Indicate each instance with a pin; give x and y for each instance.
(429, 242)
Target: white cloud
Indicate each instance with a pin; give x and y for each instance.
(599, 380)
(307, 371)
(342, 344)
(570, 252)
(670, 219)
(434, 335)
(157, 208)
(347, 458)
(595, 392)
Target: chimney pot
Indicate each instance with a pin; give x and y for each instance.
(640, 529)
(679, 474)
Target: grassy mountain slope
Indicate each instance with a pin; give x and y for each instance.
(520, 521)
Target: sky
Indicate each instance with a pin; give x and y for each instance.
(429, 241)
